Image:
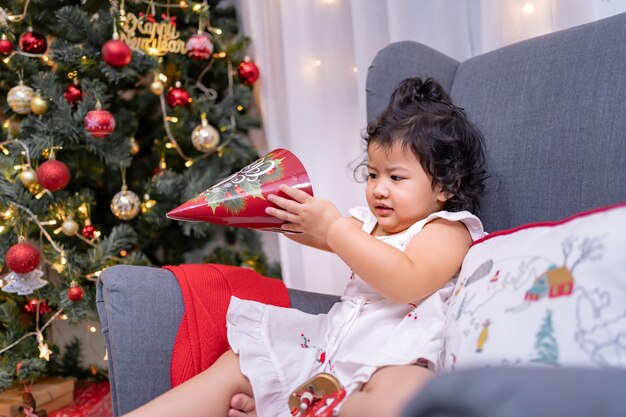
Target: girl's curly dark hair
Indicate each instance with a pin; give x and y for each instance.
(421, 117)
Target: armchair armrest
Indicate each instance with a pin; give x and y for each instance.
(521, 392)
(140, 309)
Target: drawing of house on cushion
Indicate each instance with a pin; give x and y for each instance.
(555, 282)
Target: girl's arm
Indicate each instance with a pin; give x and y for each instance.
(314, 241)
(430, 260)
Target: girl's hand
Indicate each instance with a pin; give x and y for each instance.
(306, 214)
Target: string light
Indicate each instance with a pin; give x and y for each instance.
(8, 214)
(92, 329)
(83, 209)
(189, 163)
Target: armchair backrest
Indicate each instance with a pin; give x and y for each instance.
(552, 109)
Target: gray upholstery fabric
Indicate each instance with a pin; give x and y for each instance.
(140, 309)
(553, 110)
(402, 60)
(522, 392)
(310, 302)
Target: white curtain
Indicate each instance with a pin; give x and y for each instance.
(313, 56)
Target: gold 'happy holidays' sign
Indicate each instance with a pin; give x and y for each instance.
(155, 38)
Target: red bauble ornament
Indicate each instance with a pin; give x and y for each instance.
(199, 46)
(6, 46)
(73, 94)
(53, 175)
(99, 123)
(89, 231)
(75, 293)
(33, 43)
(248, 72)
(31, 306)
(22, 258)
(177, 96)
(116, 53)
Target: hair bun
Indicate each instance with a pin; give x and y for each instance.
(416, 91)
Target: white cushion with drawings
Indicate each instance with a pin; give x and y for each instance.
(551, 294)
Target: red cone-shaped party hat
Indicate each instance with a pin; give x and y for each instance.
(241, 199)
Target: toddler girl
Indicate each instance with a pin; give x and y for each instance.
(425, 164)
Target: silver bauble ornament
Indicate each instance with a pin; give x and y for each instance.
(205, 137)
(28, 177)
(69, 227)
(125, 205)
(19, 98)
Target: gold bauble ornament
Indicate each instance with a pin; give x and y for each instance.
(28, 177)
(19, 98)
(157, 87)
(125, 205)
(205, 137)
(39, 105)
(69, 227)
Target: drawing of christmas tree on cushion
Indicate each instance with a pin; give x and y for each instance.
(546, 344)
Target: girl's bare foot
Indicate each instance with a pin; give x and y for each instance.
(242, 405)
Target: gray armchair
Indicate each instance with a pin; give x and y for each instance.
(553, 111)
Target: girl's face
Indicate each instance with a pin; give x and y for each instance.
(399, 192)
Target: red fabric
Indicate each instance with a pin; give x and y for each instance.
(90, 400)
(206, 291)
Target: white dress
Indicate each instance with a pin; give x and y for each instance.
(280, 348)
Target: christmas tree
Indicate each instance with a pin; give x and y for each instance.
(113, 114)
(546, 344)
